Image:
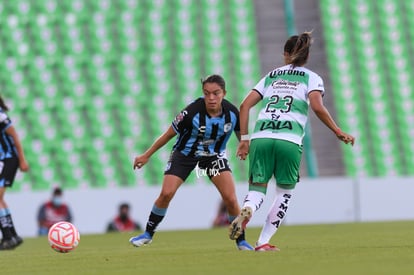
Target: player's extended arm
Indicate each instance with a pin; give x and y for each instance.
(316, 103)
(11, 131)
(158, 143)
(251, 99)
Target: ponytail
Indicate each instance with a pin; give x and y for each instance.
(297, 48)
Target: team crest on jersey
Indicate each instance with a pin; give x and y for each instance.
(227, 127)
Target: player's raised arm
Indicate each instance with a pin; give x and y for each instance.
(141, 160)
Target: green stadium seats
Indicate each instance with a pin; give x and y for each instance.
(244, 44)
(70, 163)
(75, 7)
(345, 88)
(45, 42)
(375, 87)
(23, 9)
(96, 82)
(397, 50)
(130, 78)
(48, 8)
(40, 161)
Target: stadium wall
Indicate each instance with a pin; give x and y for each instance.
(316, 201)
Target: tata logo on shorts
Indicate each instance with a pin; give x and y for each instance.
(227, 127)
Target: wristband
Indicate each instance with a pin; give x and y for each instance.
(244, 137)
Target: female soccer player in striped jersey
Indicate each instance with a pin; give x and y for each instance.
(11, 158)
(275, 145)
(203, 129)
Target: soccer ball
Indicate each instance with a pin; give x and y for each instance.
(63, 237)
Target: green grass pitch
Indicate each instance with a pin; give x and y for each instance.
(356, 248)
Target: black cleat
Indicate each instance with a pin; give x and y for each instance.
(8, 244)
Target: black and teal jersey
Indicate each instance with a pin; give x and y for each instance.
(7, 148)
(199, 134)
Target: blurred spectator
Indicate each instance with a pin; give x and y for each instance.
(53, 211)
(123, 222)
(222, 218)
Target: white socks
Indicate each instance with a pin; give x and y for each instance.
(276, 215)
(254, 200)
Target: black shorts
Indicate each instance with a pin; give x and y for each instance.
(181, 165)
(8, 168)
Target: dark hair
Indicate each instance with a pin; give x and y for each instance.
(215, 78)
(297, 47)
(3, 105)
(57, 191)
(123, 205)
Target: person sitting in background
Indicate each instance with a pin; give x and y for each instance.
(222, 218)
(53, 211)
(123, 222)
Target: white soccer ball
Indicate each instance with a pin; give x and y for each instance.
(63, 237)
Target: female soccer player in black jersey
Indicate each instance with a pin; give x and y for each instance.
(202, 129)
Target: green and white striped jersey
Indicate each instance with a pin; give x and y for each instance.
(285, 102)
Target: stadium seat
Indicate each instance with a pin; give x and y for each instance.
(106, 78)
(397, 49)
(384, 132)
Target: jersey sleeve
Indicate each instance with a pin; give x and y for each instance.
(260, 87)
(5, 121)
(237, 126)
(236, 113)
(181, 120)
(316, 84)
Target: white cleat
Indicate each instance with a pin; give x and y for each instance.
(141, 240)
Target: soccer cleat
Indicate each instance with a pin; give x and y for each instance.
(244, 245)
(266, 247)
(8, 244)
(239, 223)
(141, 240)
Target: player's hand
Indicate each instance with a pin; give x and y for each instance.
(140, 161)
(24, 166)
(243, 149)
(346, 138)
